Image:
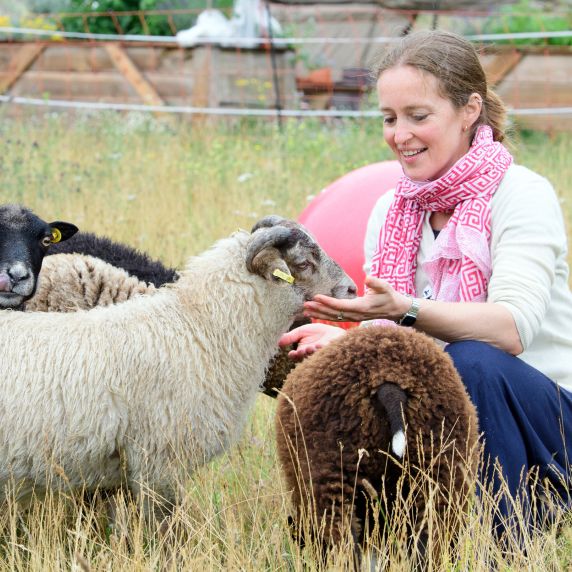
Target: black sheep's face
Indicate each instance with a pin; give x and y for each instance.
(24, 241)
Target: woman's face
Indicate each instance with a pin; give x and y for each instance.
(427, 134)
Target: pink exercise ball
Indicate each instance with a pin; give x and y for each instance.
(338, 216)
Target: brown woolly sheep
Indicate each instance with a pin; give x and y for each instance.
(280, 366)
(379, 414)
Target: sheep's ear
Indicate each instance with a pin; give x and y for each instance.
(62, 230)
(393, 399)
(267, 261)
(263, 254)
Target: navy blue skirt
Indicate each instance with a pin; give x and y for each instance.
(525, 420)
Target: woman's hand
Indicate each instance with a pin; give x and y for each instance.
(310, 338)
(380, 301)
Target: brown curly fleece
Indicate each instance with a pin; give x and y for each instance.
(338, 412)
(281, 365)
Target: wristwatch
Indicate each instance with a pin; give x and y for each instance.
(409, 318)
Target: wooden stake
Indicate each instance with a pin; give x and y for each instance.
(500, 66)
(19, 63)
(132, 74)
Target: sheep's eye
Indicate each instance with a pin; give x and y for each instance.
(303, 265)
(46, 241)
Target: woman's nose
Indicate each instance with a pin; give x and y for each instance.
(401, 134)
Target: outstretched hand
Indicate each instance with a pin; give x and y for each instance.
(380, 301)
(310, 338)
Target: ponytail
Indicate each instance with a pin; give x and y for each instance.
(494, 114)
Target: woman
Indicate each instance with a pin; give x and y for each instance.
(470, 249)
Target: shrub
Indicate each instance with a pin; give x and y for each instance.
(528, 16)
(152, 24)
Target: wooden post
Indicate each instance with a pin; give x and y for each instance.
(201, 96)
(499, 67)
(19, 63)
(132, 74)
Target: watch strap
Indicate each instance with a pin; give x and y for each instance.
(410, 317)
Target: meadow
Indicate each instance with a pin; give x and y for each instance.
(171, 188)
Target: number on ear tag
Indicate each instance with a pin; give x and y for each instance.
(56, 235)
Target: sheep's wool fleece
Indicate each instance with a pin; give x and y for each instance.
(70, 282)
(152, 387)
(329, 423)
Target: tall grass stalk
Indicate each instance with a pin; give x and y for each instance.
(172, 190)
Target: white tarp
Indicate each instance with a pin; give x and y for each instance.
(249, 21)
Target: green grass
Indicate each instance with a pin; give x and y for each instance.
(172, 189)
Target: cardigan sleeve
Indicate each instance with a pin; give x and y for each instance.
(374, 224)
(528, 237)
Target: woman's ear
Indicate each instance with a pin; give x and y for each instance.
(473, 108)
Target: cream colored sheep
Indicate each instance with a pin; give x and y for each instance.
(70, 282)
(141, 393)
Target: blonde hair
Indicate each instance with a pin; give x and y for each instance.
(455, 63)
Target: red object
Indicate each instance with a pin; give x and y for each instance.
(338, 216)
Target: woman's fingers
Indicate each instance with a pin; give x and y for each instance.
(310, 338)
(301, 352)
(337, 311)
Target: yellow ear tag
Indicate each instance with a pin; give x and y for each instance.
(56, 235)
(283, 276)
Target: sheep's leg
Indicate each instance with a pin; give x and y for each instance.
(116, 509)
(158, 507)
(334, 511)
(446, 484)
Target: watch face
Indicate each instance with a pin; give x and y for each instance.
(408, 320)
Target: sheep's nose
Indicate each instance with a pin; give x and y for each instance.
(18, 272)
(5, 282)
(352, 291)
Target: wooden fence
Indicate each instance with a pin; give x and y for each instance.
(215, 77)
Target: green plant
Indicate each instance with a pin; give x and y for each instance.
(528, 16)
(119, 16)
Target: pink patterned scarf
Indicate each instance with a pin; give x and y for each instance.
(459, 266)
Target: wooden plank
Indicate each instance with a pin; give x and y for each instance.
(202, 77)
(203, 95)
(132, 74)
(19, 63)
(502, 64)
(74, 85)
(78, 85)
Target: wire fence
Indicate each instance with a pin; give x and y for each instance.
(318, 66)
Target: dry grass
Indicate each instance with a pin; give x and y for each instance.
(172, 192)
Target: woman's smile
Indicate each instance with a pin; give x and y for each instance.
(423, 128)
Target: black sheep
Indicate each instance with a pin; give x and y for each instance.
(24, 241)
(133, 261)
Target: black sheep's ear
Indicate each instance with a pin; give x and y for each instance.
(62, 230)
(393, 399)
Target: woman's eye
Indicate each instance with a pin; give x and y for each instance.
(46, 241)
(420, 117)
(388, 120)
